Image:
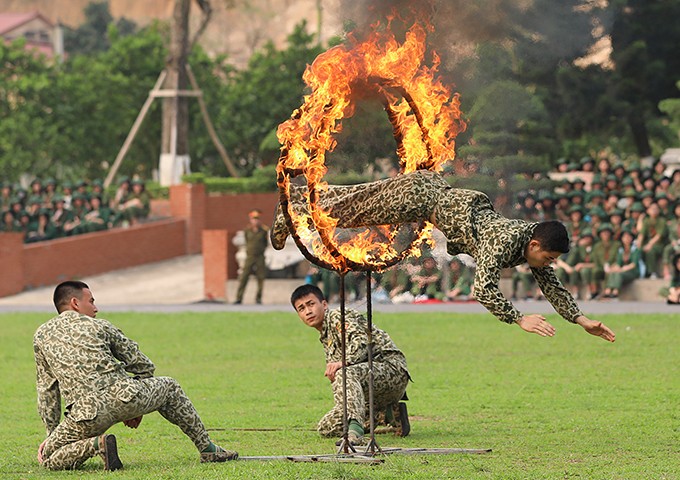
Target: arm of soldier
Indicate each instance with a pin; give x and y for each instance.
(558, 296)
(127, 351)
(49, 396)
(488, 293)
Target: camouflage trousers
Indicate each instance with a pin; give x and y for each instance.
(72, 442)
(402, 199)
(389, 385)
(253, 263)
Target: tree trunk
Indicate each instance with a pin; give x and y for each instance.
(175, 135)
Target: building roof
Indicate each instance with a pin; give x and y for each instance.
(11, 21)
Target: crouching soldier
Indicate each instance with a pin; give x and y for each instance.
(390, 375)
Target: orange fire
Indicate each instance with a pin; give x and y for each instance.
(425, 116)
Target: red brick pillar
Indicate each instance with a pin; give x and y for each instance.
(215, 264)
(11, 259)
(188, 201)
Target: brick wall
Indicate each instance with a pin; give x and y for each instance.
(47, 263)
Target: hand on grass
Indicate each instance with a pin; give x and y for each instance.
(331, 368)
(536, 324)
(133, 422)
(598, 329)
(40, 451)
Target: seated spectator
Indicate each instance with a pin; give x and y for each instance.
(567, 273)
(616, 222)
(460, 281)
(576, 223)
(137, 204)
(587, 164)
(673, 247)
(674, 187)
(97, 218)
(5, 196)
(9, 223)
(60, 215)
(121, 194)
(426, 283)
(665, 206)
(652, 238)
(674, 288)
(596, 217)
(521, 275)
(547, 205)
(585, 265)
(624, 269)
(604, 251)
(41, 228)
(634, 218)
(396, 281)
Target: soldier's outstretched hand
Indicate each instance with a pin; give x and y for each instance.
(536, 324)
(598, 329)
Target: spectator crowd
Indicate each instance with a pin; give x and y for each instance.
(47, 210)
(623, 225)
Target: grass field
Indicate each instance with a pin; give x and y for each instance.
(572, 406)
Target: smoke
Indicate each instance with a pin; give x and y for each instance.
(460, 25)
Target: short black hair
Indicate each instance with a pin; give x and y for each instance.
(65, 291)
(552, 236)
(303, 291)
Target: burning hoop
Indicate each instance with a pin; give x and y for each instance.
(425, 118)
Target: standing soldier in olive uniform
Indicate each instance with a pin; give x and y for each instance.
(390, 374)
(103, 378)
(470, 224)
(256, 244)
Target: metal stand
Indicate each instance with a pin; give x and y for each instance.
(345, 445)
(372, 445)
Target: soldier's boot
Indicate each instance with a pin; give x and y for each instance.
(279, 231)
(402, 419)
(220, 455)
(108, 450)
(354, 439)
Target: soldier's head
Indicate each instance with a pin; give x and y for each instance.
(549, 240)
(74, 295)
(310, 305)
(254, 217)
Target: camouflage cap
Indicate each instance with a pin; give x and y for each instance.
(575, 208)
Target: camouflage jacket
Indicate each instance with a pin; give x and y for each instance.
(76, 357)
(471, 226)
(356, 324)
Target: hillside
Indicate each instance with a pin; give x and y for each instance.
(236, 31)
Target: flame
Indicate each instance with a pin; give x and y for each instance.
(424, 113)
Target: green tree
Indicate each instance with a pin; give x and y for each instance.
(100, 96)
(644, 36)
(257, 99)
(28, 98)
(510, 137)
(671, 107)
(91, 36)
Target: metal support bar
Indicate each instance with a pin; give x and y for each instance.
(372, 445)
(345, 446)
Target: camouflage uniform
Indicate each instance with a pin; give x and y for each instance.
(390, 375)
(467, 219)
(86, 362)
(256, 244)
